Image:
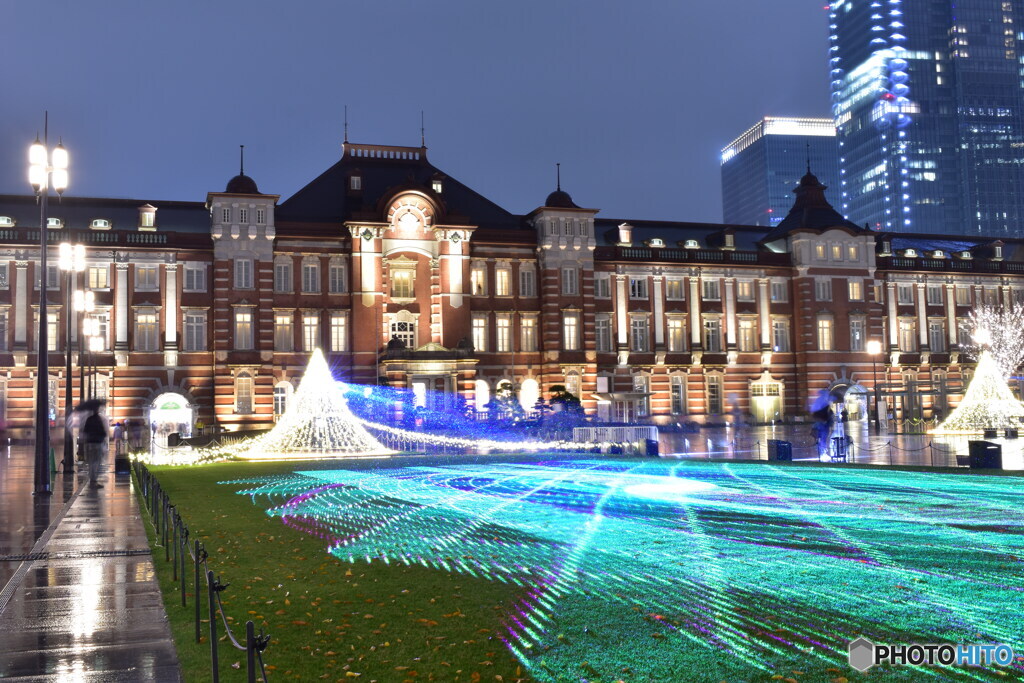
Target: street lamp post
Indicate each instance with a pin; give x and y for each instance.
(85, 302)
(45, 167)
(71, 261)
(874, 348)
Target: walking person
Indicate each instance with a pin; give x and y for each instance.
(118, 439)
(94, 434)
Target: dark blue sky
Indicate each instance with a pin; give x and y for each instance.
(635, 99)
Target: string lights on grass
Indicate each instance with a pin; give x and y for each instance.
(630, 570)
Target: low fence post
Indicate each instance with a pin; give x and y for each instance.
(250, 651)
(182, 552)
(198, 561)
(211, 590)
(174, 545)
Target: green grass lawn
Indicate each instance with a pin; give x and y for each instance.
(328, 619)
(598, 569)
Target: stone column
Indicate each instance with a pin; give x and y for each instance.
(621, 319)
(659, 320)
(171, 315)
(121, 310)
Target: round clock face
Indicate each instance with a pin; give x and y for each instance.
(409, 213)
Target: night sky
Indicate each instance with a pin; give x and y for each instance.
(635, 99)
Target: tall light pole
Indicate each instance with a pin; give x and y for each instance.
(44, 167)
(71, 261)
(874, 347)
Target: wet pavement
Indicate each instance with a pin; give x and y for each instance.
(79, 598)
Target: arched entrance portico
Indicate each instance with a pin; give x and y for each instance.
(170, 413)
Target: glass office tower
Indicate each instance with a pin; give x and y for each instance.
(761, 167)
(928, 100)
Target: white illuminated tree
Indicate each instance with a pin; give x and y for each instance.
(317, 421)
(1001, 331)
(988, 403)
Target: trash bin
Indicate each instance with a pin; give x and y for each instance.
(839, 445)
(651, 446)
(173, 439)
(780, 450)
(985, 455)
(991, 433)
(1011, 434)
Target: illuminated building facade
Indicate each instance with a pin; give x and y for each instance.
(928, 100)
(208, 311)
(761, 167)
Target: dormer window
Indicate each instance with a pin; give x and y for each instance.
(625, 233)
(910, 253)
(437, 186)
(886, 248)
(998, 251)
(730, 240)
(656, 242)
(147, 217)
(965, 255)
(691, 244)
(6, 221)
(54, 223)
(355, 182)
(100, 224)
(938, 253)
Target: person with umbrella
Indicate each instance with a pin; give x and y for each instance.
(94, 433)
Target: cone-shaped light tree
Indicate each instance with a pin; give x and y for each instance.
(988, 403)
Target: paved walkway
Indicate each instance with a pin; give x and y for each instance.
(79, 598)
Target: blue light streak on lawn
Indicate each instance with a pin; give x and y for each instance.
(638, 569)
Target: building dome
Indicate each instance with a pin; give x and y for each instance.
(242, 184)
(560, 199)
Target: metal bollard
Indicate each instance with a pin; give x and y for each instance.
(250, 652)
(211, 590)
(174, 547)
(198, 561)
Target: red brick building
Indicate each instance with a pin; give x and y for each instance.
(405, 276)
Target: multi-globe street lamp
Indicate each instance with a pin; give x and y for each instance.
(72, 261)
(874, 347)
(46, 167)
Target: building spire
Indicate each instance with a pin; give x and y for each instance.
(423, 130)
(808, 158)
(558, 177)
(345, 141)
(241, 160)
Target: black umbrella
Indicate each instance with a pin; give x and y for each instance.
(91, 406)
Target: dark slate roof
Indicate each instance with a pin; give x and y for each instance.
(560, 199)
(707, 234)
(79, 212)
(811, 211)
(386, 170)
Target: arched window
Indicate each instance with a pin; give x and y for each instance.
(529, 394)
(481, 394)
(243, 393)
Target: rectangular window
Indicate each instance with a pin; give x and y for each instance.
(603, 334)
(405, 332)
(712, 335)
(402, 284)
(3, 330)
(339, 331)
(98, 277)
(570, 281)
(310, 331)
(823, 290)
(146, 277)
(934, 295)
(243, 274)
(355, 183)
(744, 290)
(225, 215)
(478, 279)
(310, 277)
(837, 252)
(963, 296)
(338, 283)
(503, 334)
(937, 336)
(261, 216)
(826, 338)
(748, 335)
(711, 290)
(479, 333)
(905, 294)
(101, 327)
(857, 334)
(145, 331)
(819, 252)
(243, 329)
(284, 332)
(714, 394)
(243, 394)
(602, 286)
(964, 333)
(195, 277)
(641, 385)
(53, 336)
(638, 288)
(4, 284)
(855, 289)
(195, 331)
(678, 389)
(780, 336)
(571, 331)
(853, 252)
(676, 335)
(243, 215)
(528, 334)
(283, 276)
(639, 333)
(780, 292)
(674, 289)
(908, 336)
(527, 282)
(503, 281)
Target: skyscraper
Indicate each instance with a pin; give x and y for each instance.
(761, 167)
(928, 100)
